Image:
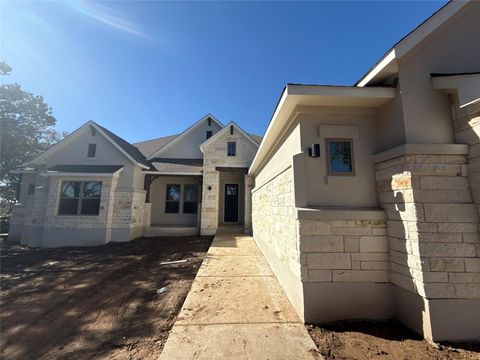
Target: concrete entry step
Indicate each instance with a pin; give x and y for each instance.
(236, 309)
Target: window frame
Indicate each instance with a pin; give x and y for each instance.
(196, 202)
(81, 197)
(31, 189)
(234, 149)
(352, 155)
(94, 145)
(179, 201)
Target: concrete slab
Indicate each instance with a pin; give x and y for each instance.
(236, 309)
(234, 247)
(225, 300)
(260, 342)
(217, 265)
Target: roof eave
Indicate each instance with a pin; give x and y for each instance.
(314, 95)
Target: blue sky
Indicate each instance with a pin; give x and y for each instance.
(149, 69)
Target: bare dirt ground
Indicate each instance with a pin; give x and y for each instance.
(382, 340)
(94, 302)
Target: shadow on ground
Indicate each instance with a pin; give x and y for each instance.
(387, 340)
(92, 302)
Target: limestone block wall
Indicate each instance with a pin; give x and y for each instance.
(344, 264)
(432, 225)
(274, 220)
(249, 184)
(100, 221)
(334, 251)
(434, 245)
(215, 155)
(466, 125)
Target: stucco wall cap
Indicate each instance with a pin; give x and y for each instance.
(421, 149)
(337, 213)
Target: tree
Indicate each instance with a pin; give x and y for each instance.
(26, 130)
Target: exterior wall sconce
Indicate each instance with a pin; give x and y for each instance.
(209, 188)
(314, 151)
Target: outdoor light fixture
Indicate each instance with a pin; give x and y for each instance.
(314, 151)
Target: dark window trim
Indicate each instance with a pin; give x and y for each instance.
(94, 147)
(333, 173)
(31, 189)
(80, 197)
(234, 153)
(173, 201)
(183, 198)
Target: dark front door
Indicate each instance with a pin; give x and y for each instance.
(231, 203)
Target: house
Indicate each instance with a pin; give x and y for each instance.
(94, 187)
(366, 197)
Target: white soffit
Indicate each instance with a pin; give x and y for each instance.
(387, 65)
(466, 85)
(315, 95)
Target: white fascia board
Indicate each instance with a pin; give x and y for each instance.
(268, 137)
(73, 174)
(127, 155)
(428, 26)
(225, 129)
(183, 134)
(66, 140)
(467, 87)
(315, 95)
(414, 38)
(70, 137)
(388, 58)
(171, 173)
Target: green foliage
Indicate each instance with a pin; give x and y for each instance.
(26, 130)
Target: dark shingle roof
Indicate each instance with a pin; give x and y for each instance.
(126, 146)
(193, 166)
(257, 138)
(148, 147)
(91, 169)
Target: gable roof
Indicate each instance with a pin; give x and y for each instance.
(148, 147)
(411, 40)
(169, 166)
(225, 129)
(127, 149)
(183, 134)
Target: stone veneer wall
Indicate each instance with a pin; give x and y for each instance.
(433, 243)
(249, 184)
(466, 124)
(275, 231)
(344, 251)
(128, 214)
(274, 222)
(215, 155)
(344, 258)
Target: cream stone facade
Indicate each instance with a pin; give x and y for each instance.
(171, 186)
(366, 198)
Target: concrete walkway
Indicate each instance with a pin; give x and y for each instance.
(237, 310)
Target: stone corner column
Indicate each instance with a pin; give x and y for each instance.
(434, 248)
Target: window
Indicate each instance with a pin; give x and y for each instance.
(232, 149)
(172, 201)
(31, 189)
(190, 199)
(340, 156)
(209, 134)
(92, 149)
(80, 198)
